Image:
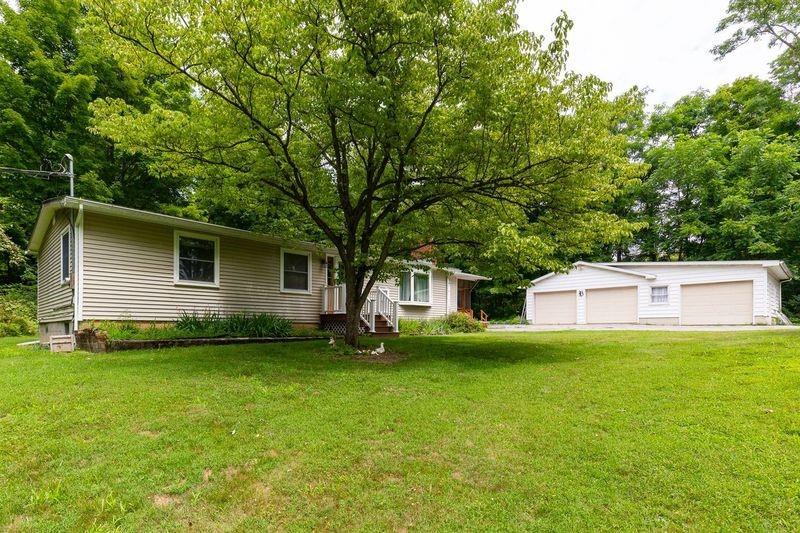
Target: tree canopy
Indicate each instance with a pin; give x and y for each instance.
(777, 21)
(50, 70)
(723, 178)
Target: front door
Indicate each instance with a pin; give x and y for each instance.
(332, 293)
(330, 271)
(464, 300)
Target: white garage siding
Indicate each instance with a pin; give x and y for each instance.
(774, 289)
(675, 276)
(583, 277)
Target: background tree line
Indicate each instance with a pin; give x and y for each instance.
(720, 181)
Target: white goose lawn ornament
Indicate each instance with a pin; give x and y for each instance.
(332, 342)
(380, 349)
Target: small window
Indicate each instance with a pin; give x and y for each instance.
(295, 271)
(196, 259)
(65, 256)
(415, 287)
(659, 295)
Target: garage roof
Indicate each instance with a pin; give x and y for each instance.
(776, 266)
(599, 266)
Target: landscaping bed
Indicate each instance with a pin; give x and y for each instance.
(95, 344)
(192, 329)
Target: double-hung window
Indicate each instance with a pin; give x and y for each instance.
(295, 271)
(65, 256)
(196, 259)
(659, 295)
(415, 287)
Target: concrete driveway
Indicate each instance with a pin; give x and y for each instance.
(634, 327)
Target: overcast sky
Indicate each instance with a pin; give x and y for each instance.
(659, 44)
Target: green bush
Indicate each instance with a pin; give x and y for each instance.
(452, 323)
(17, 310)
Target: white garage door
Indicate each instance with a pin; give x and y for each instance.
(555, 307)
(612, 306)
(717, 303)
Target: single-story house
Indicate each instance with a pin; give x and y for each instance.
(98, 261)
(662, 293)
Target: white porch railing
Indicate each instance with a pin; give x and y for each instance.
(333, 299)
(368, 313)
(378, 303)
(386, 307)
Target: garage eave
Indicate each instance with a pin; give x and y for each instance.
(615, 269)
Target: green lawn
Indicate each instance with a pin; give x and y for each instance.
(569, 430)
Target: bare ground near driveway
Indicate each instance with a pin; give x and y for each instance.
(632, 327)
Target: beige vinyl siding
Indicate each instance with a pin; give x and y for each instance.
(438, 306)
(129, 273)
(54, 299)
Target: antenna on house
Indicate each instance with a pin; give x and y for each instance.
(64, 169)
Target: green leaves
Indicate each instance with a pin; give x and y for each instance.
(51, 68)
(724, 181)
(777, 21)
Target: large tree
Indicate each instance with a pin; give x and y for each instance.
(390, 125)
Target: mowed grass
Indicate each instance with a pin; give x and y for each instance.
(565, 430)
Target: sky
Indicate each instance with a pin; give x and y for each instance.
(663, 45)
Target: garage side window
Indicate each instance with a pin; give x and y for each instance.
(196, 259)
(659, 295)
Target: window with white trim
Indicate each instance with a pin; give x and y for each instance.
(196, 259)
(659, 295)
(415, 286)
(295, 271)
(65, 256)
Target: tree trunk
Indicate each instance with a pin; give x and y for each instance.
(353, 319)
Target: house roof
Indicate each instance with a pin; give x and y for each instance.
(776, 266)
(599, 266)
(50, 207)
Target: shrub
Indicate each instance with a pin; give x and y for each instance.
(256, 325)
(205, 324)
(452, 323)
(461, 323)
(17, 310)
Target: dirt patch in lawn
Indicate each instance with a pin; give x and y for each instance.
(164, 501)
(385, 358)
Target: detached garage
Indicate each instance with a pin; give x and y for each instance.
(664, 293)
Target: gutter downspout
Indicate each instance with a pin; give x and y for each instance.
(77, 267)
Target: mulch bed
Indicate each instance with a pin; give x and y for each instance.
(93, 343)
